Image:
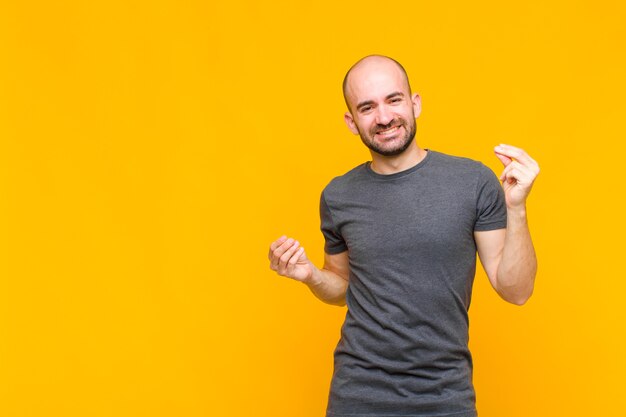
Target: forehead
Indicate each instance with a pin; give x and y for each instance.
(376, 80)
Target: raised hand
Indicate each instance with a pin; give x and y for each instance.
(288, 259)
(518, 176)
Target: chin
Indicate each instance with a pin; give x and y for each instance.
(394, 151)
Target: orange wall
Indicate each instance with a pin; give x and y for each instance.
(151, 150)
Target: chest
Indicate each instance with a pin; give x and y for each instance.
(400, 220)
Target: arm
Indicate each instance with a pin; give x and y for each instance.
(329, 284)
(508, 255)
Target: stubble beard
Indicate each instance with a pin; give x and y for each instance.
(370, 141)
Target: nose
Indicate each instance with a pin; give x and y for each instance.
(383, 115)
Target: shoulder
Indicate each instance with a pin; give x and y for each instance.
(460, 166)
(458, 162)
(346, 182)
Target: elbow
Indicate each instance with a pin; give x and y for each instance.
(516, 294)
(519, 291)
(518, 299)
(341, 302)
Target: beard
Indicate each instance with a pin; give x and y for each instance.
(385, 148)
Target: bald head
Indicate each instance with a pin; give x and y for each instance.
(368, 67)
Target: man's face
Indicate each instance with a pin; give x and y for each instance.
(382, 110)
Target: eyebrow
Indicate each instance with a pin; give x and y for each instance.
(370, 102)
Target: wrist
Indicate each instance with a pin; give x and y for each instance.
(315, 279)
(517, 211)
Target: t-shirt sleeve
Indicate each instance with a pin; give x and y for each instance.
(333, 241)
(490, 202)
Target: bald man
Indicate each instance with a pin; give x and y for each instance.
(401, 236)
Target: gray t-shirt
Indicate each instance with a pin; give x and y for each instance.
(410, 241)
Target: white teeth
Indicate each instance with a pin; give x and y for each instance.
(388, 131)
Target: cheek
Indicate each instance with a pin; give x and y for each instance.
(363, 124)
(407, 115)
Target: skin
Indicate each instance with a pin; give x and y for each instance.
(382, 110)
(378, 96)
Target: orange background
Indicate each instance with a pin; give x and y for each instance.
(151, 150)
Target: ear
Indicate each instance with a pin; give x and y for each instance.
(417, 104)
(347, 117)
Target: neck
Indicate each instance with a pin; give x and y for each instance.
(387, 165)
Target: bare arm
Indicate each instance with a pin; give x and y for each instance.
(508, 255)
(329, 284)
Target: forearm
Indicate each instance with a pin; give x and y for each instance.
(328, 286)
(518, 264)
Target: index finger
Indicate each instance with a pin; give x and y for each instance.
(276, 244)
(515, 153)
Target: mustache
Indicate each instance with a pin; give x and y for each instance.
(393, 123)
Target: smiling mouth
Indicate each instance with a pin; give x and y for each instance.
(388, 132)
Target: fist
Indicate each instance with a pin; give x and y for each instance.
(288, 259)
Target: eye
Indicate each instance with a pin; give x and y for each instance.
(365, 109)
